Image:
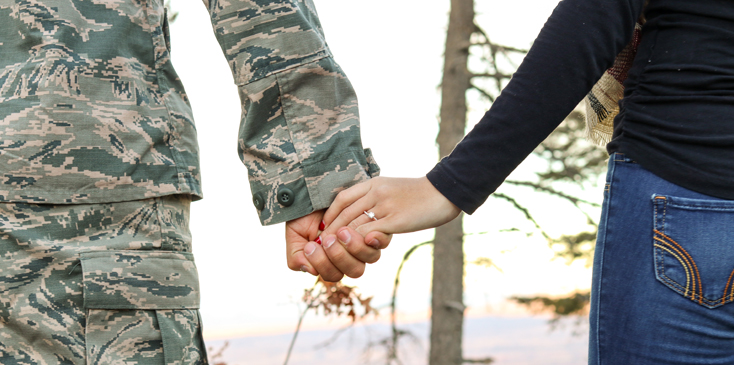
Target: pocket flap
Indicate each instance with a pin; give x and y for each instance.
(140, 280)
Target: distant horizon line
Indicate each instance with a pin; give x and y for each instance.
(340, 322)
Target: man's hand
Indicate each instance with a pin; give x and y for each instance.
(336, 255)
(299, 233)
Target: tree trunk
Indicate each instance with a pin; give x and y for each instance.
(447, 306)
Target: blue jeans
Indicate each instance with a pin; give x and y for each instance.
(663, 282)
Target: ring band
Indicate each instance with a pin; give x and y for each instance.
(370, 214)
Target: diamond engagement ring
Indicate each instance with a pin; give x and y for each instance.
(371, 215)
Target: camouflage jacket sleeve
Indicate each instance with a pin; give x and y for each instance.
(299, 133)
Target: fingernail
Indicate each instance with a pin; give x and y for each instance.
(344, 236)
(374, 244)
(329, 241)
(309, 249)
(322, 226)
(318, 240)
(304, 268)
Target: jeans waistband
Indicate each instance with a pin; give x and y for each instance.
(621, 157)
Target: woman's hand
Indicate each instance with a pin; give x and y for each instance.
(399, 204)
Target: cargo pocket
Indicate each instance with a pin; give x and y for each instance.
(693, 242)
(142, 308)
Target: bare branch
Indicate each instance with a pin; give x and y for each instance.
(574, 200)
(486, 262)
(334, 337)
(298, 326)
(480, 30)
(525, 211)
(497, 75)
(493, 50)
(487, 360)
(501, 48)
(393, 346)
(397, 333)
(218, 354)
(483, 92)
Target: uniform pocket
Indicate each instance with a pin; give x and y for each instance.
(142, 308)
(694, 248)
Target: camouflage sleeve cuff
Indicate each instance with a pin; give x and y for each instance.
(311, 187)
(300, 140)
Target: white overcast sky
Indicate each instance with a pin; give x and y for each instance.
(392, 53)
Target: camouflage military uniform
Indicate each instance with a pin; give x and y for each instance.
(98, 161)
(105, 283)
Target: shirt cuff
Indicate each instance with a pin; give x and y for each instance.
(453, 190)
(310, 187)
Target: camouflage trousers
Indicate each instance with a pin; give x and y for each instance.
(99, 284)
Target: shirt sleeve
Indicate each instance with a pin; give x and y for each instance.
(576, 45)
(299, 133)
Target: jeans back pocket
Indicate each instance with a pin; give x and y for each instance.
(694, 248)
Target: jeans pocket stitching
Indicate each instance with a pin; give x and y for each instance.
(693, 289)
(687, 288)
(693, 277)
(726, 288)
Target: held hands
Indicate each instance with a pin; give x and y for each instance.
(333, 254)
(350, 238)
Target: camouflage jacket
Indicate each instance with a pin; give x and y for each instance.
(91, 109)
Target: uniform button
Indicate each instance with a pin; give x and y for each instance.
(258, 200)
(286, 197)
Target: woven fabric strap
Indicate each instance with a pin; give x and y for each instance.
(602, 102)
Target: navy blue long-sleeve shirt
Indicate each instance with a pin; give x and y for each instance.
(676, 118)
